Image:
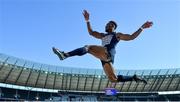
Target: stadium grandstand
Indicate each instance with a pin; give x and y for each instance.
(23, 80)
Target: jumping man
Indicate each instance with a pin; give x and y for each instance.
(106, 52)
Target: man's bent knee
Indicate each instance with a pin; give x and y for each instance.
(86, 48)
(112, 79)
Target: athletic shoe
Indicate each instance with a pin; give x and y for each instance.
(138, 79)
(60, 54)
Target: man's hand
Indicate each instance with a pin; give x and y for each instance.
(86, 15)
(147, 24)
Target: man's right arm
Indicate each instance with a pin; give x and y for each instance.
(94, 33)
(91, 32)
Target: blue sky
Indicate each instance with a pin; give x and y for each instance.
(29, 28)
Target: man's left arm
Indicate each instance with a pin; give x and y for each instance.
(128, 37)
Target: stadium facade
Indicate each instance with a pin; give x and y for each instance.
(26, 80)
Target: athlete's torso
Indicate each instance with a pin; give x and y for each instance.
(110, 41)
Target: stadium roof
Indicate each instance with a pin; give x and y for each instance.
(21, 72)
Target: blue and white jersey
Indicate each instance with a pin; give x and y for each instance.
(110, 41)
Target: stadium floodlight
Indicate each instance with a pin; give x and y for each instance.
(37, 97)
(50, 99)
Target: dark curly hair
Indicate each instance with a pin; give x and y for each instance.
(113, 22)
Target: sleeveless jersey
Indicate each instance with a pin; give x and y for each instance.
(110, 41)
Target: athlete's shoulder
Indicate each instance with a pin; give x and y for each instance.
(118, 33)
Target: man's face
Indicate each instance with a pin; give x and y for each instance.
(110, 27)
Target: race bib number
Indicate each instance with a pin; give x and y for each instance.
(106, 40)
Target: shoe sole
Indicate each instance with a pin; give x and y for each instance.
(58, 53)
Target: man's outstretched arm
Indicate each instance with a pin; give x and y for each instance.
(128, 37)
(91, 32)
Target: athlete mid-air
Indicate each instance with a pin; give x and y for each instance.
(106, 52)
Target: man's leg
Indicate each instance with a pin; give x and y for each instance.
(109, 70)
(99, 52)
(122, 78)
(77, 52)
(108, 67)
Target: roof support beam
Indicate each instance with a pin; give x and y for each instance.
(5, 80)
(63, 75)
(54, 83)
(137, 84)
(70, 80)
(161, 81)
(147, 81)
(4, 63)
(177, 84)
(93, 81)
(29, 75)
(100, 81)
(77, 83)
(46, 78)
(171, 80)
(154, 80)
(38, 76)
(66, 81)
(85, 80)
(20, 73)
